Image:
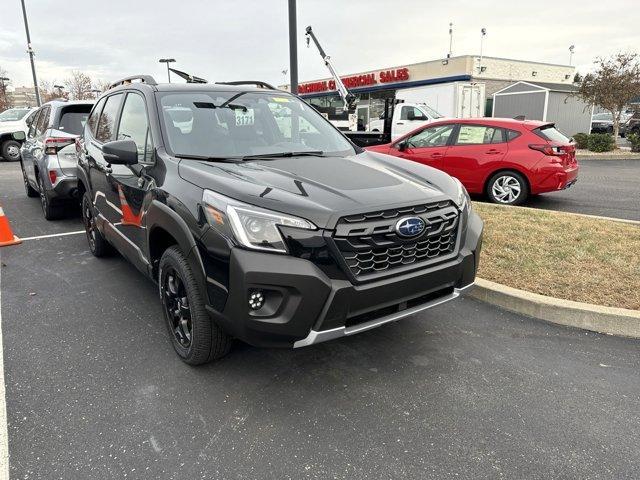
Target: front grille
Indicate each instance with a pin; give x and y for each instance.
(370, 246)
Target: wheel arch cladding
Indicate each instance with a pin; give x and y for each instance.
(166, 228)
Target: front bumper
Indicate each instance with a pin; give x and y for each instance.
(306, 305)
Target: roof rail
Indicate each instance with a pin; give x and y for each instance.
(148, 79)
(257, 83)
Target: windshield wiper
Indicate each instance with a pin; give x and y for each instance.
(209, 159)
(306, 153)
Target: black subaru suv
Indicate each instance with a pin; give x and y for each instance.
(260, 221)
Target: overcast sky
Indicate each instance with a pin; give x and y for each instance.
(224, 40)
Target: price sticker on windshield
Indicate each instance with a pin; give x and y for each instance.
(244, 117)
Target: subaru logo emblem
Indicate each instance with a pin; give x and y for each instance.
(410, 227)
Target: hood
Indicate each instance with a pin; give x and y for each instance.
(10, 127)
(323, 189)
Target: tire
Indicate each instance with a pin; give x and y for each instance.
(507, 188)
(97, 243)
(50, 211)
(194, 336)
(10, 151)
(30, 191)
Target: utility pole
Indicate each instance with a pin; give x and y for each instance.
(31, 54)
(168, 61)
(293, 47)
(571, 50)
(450, 40)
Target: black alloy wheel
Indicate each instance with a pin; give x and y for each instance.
(176, 305)
(195, 337)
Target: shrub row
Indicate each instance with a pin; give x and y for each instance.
(595, 142)
(634, 139)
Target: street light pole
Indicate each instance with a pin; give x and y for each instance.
(167, 61)
(571, 49)
(293, 47)
(31, 54)
(483, 33)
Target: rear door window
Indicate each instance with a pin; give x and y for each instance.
(43, 121)
(95, 115)
(34, 124)
(478, 135)
(511, 135)
(552, 134)
(107, 121)
(73, 118)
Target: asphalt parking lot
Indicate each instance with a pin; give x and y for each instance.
(94, 389)
(610, 188)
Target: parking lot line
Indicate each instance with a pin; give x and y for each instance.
(53, 235)
(4, 431)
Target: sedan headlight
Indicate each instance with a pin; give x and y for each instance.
(252, 227)
(462, 196)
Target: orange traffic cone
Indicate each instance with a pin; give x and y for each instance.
(6, 235)
(128, 217)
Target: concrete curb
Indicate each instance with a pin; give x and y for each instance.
(596, 318)
(562, 212)
(634, 157)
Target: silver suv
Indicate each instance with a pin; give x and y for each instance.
(49, 159)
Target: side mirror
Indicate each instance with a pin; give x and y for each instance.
(411, 115)
(120, 152)
(402, 146)
(19, 136)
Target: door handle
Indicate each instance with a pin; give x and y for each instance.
(399, 123)
(493, 151)
(437, 155)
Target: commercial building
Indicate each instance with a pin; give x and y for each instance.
(460, 86)
(22, 97)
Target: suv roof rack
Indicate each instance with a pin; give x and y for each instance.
(148, 79)
(257, 83)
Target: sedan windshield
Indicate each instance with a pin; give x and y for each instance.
(13, 114)
(602, 116)
(245, 124)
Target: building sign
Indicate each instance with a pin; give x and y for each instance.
(357, 81)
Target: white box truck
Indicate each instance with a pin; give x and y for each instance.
(452, 100)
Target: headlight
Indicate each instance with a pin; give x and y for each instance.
(462, 196)
(252, 227)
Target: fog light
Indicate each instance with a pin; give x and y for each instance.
(256, 300)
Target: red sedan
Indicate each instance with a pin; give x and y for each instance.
(503, 158)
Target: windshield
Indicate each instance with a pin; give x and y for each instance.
(239, 124)
(602, 116)
(13, 114)
(431, 112)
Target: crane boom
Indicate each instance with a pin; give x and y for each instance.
(348, 98)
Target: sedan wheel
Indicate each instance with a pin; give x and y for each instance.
(11, 151)
(507, 188)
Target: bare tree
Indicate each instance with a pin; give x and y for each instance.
(615, 82)
(79, 85)
(5, 101)
(50, 92)
(102, 85)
